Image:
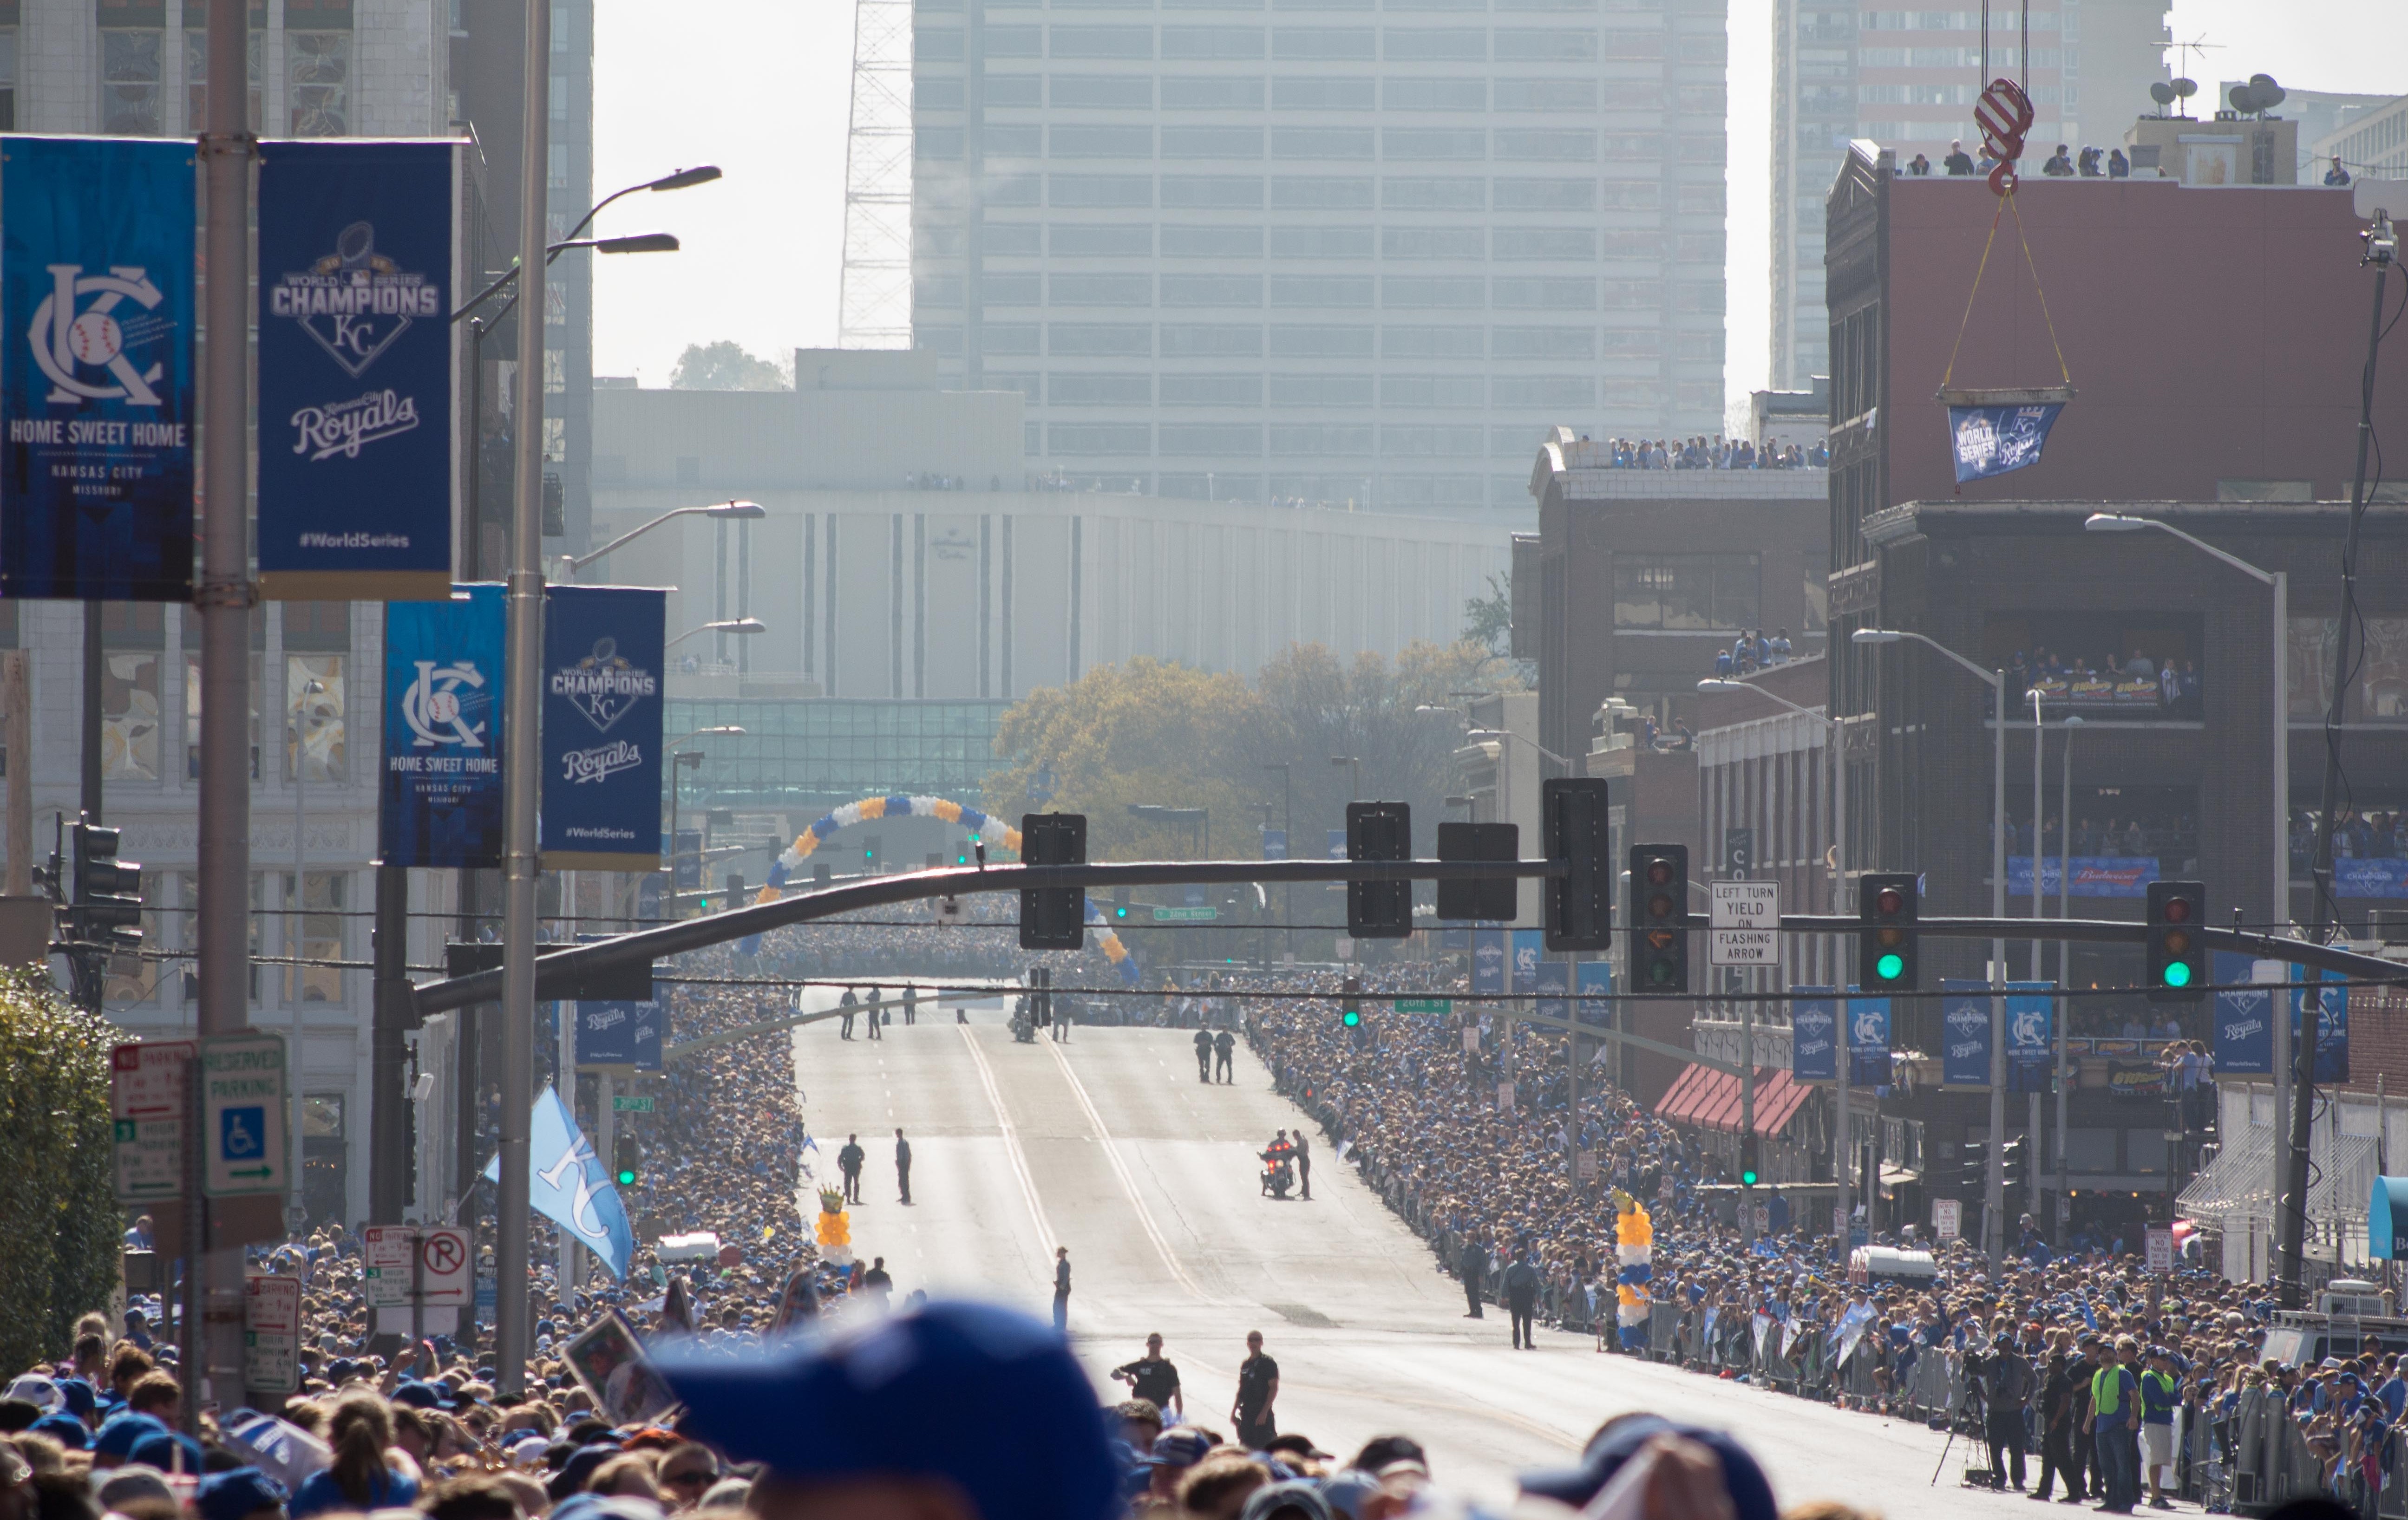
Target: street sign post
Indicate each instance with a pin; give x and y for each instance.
(243, 1142)
(149, 1102)
(1185, 915)
(443, 1267)
(271, 1326)
(2159, 1239)
(1745, 927)
(1947, 1217)
(630, 1103)
(389, 1262)
(1424, 1005)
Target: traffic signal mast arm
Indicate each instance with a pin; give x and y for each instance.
(561, 968)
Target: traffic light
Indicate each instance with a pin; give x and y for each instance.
(962, 853)
(107, 909)
(1496, 900)
(1659, 947)
(822, 875)
(1120, 905)
(625, 1159)
(1572, 820)
(870, 846)
(1053, 918)
(1350, 1004)
(1379, 831)
(1973, 1168)
(1751, 1158)
(735, 889)
(2177, 957)
(1887, 956)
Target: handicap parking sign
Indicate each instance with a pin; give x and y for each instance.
(242, 1132)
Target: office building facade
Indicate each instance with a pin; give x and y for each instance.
(1325, 253)
(1908, 79)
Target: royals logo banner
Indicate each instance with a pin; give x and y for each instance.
(620, 1033)
(2031, 1025)
(1488, 961)
(1964, 1032)
(1553, 981)
(355, 365)
(1869, 1042)
(1993, 440)
(96, 313)
(2245, 1018)
(602, 649)
(440, 802)
(1813, 1025)
(1594, 981)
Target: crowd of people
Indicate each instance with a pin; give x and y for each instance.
(2378, 835)
(2065, 164)
(2083, 682)
(1699, 451)
(1751, 651)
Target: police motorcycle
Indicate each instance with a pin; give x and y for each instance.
(1023, 1020)
(1278, 1169)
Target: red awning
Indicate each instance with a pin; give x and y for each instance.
(1711, 1099)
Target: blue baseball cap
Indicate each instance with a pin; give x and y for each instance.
(857, 1402)
(118, 1437)
(65, 1429)
(78, 1397)
(234, 1494)
(169, 1451)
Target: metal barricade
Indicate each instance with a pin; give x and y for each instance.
(1664, 1332)
(2271, 1460)
(2392, 1504)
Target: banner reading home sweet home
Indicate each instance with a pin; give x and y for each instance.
(96, 314)
(355, 366)
(602, 706)
(441, 799)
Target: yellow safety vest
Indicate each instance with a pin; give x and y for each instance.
(2107, 1389)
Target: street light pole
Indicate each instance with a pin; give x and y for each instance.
(1994, 1201)
(2287, 1128)
(213, 1351)
(524, 776)
(2064, 977)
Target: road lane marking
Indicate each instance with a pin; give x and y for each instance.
(1128, 1184)
(1045, 1239)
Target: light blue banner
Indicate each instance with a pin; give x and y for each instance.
(1868, 1042)
(568, 1185)
(1593, 981)
(2245, 1018)
(1530, 947)
(1965, 1032)
(1488, 959)
(1814, 1035)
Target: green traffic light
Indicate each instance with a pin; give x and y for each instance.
(1891, 966)
(2177, 973)
(1120, 912)
(626, 1178)
(1354, 1018)
(1747, 1178)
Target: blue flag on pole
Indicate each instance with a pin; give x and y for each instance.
(2245, 1018)
(1965, 1032)
(1813, 1026)
(568, 1185)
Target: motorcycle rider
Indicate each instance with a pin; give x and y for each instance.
(1279, 1163)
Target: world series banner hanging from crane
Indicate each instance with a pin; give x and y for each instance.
(97, 310)
(602, 653)
(1993, 440)
(355, 367)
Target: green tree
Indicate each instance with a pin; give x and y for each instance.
(724, 365)
(1488, 621)
(58, 1209)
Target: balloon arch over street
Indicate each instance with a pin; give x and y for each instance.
(992, 830)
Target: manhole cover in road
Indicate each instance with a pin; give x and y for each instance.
(1298, 1314)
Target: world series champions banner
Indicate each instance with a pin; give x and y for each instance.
(355, 367)
(602, 709)
(440, 799)
(96, 313)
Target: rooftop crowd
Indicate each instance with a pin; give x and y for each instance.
(1699, 451)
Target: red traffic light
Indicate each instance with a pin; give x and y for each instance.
(2176, 910)
(1659, 872)
(1890, 900)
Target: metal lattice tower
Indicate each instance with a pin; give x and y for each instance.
(874, 309)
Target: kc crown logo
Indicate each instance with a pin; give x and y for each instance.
(434, 709)
(355, 301)
(604, 685)
(70, 335)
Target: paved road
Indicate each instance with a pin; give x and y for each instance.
(1108, 1144)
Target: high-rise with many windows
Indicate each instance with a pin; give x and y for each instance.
(1324, 252)
(1908, 79)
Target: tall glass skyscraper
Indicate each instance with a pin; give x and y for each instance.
(1326, 252)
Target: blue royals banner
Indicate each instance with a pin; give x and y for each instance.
(97, 313)
(440, 795)
(1488, 961)
(2245, 1019)
(1869, 1042)
(1965, 1025)
(602, 707)
(1993, 440)
(1594, 981)
(1814, 1035)
(620, 1033)
(355, 366)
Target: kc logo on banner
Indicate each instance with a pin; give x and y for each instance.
(602, 653)
(96, 316)
(355, 364)
(440, 802)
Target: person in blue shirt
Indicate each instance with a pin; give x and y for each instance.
(2158, 1397)
(361, 1432)
(2392, 1390)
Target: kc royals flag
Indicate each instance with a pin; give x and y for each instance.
(96, 312)
(440, 801)
(2245, 1018)
(2031, 1030)
(1993, 440)
(602, 653)
(1964, 1032)
(356, 354)
(568, 1185)
(1488, 959)
(1869, 1042)
(1814, 1035)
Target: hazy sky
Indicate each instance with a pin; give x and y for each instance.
(762, 88)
